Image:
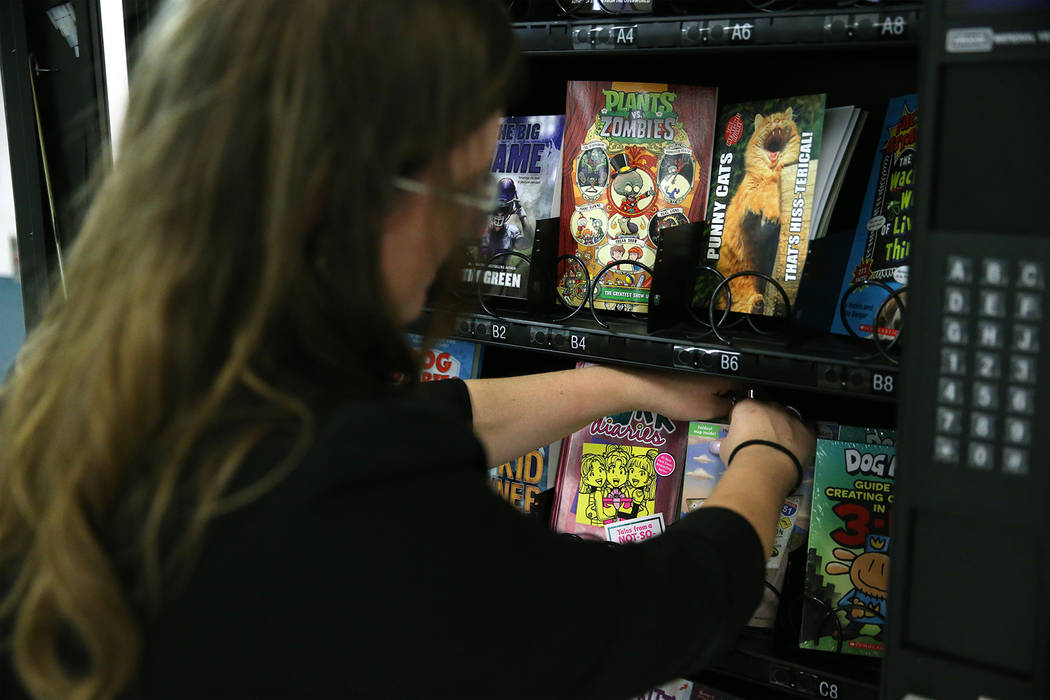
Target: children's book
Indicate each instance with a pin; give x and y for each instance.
(448, 358)
(703, 470)
(520, 481)
(637, 160)
(677, 689)
(620, 477)
(760, 209)
(882, 242)
(847, 567)
(526, 170)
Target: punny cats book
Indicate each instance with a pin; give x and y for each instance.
(760, 204)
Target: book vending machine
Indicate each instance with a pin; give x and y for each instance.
(971, 546)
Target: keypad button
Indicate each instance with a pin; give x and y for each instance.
(981, 456)
(994, 272)
(1015, 461)
(985, 395)
(1028, 307)
(1018, 431)
(951, 391)
(1026, 338)
(955, 331)
(957, 300)
(960, 269)
(953, 361)
(1022, 369)
(993, 303)
(949, 421)
(1020, 400)
(982, 426)
(1030, 275)
(946, 450)
(987, 365)
(989, 334)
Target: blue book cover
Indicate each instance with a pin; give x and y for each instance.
(448, 358)
(882, 242)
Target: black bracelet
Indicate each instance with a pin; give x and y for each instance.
(775, 446)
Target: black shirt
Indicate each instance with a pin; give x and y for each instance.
(383, 566)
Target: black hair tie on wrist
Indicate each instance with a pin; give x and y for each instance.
(775, 446)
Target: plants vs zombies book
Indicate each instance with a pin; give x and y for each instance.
(526, 171)
(637, 159)
(848, 562)
(882, 242)
(760, 205)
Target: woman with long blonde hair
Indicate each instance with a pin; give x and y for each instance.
(217, 475)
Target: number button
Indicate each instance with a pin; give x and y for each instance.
(949, 420)
(985, 395)
(1026, 338)
(993, 272)
(1022, 370)
(946, 450)
(959, 269)
(987, 365)
(981, 456)
(955, 331)
(951, 391)
(1029, 275)
(1015, 461)
(1028, 307)
(953, 361)
(1020, 400)
(989, 334)
(982, 425)
(957, 300)
(993, 303)
(1018, 431)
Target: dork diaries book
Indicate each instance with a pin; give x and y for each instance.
(847, 567)
(526, 169)
(619, 477)
(763, 184)
(637, 160)
(882, 242)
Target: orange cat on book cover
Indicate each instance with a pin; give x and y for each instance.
(753, 219)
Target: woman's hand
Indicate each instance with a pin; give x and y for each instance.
(756, 420)
(678, 395)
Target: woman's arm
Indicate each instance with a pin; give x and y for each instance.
(516, 414)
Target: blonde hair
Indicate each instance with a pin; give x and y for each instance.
(223, 284)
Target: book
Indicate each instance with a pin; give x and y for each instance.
(847, 565)
(520, 481)
(760, 209)
(703, 469)
(882, 241)
(448, 358)
(676, 689)
(619, 478)
(526, 169)
(842, 128)
(637, 160)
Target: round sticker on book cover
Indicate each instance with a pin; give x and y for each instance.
(675, 175)
(622, 227)
(734, 129)
(592, 172)
(589, 225)
(665, 218)
(631, 190)
(664, 464)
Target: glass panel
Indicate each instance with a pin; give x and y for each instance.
(12, 318)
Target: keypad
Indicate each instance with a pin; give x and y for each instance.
(989, 363)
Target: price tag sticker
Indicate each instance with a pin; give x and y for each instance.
(636, 529)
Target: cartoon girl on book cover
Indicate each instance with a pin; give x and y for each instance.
(616, 503)
(641, 483)
(592, 479)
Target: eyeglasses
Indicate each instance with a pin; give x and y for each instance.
(486, 204)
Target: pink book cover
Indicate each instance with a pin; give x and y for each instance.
(618, 468)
